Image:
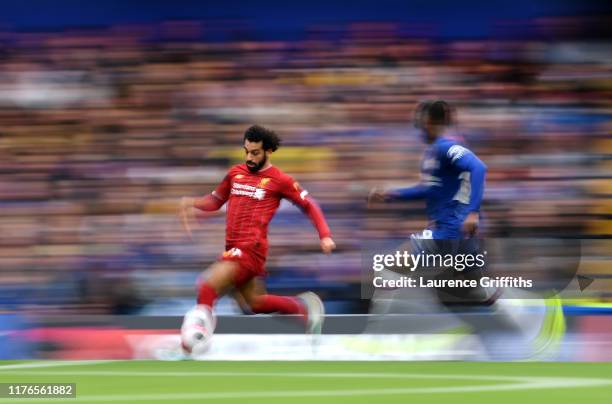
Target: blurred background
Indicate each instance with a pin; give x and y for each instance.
(111, 112)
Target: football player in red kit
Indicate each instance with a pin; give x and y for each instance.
(253, 192)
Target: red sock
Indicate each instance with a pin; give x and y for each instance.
(278, 304)
(207, 295)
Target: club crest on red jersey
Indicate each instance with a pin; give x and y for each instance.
(263, 182)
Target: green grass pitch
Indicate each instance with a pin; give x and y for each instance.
(319, 382)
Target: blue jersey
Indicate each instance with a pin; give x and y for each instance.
(452, 184)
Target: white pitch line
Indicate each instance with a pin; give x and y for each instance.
(356, 375)
(50, 364)
(519, 383)
(529, 383)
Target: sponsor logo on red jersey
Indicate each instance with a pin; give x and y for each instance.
(248, 190)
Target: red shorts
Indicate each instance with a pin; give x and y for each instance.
(250, 263)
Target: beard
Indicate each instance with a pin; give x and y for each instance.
(254, 167)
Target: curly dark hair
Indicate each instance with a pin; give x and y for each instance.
(270, 140)
(439, 112)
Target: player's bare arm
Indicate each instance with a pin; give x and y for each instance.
(470, 225)
(327, 245)
(186, 213)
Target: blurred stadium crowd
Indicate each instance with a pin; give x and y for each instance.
(103, 130)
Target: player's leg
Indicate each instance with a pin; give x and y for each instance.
(512, 322)
(199, 322)
(411, 301)
(253, 291)
(221, 278)
(308, 305)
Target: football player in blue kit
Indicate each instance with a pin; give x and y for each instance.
(452, 186)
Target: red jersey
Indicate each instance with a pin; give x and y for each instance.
(252, 200)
